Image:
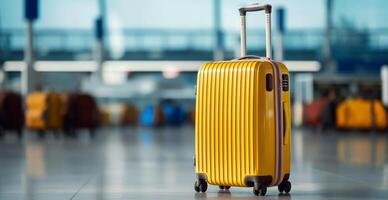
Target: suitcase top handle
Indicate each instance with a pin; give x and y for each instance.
(251, 8)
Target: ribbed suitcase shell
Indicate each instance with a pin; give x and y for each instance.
(235, 124)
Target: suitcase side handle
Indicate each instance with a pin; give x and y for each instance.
(252, 8)
(287, 125)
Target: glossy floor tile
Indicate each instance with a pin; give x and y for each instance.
(142, 163)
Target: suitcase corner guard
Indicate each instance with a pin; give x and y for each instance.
(260, 180)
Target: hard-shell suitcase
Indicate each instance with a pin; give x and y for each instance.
(81, 113)
(11, 112)
(44, 111)
(129, 115)
(152, 115)
(173, 113)
(312, 112)
(243, 125)
(361, 114)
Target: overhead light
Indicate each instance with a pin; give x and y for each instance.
(14, 66)
(138, 66)
(65, 66)
(152, 66)
(303, 66)
(52, 66)
(114, 78)
(171, 73)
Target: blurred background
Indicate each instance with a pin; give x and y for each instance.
(94, 92)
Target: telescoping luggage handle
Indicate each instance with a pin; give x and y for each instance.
(277, 73)
(252, 8)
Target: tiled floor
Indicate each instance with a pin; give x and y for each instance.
(157, 164)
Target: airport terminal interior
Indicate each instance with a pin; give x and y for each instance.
(105, 100)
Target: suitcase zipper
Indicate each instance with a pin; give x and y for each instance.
(279, 121)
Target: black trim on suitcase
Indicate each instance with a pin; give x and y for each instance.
(250, 181)
(285, 178)
(285, 82)
(201, 176)
(279, 118)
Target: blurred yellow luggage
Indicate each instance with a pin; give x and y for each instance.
(360, 113)
(243, 125)
(44, 111)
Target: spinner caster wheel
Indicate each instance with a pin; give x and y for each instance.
(200, 186)
(285, 187)
(224, 187)
(260, 191)
(196, 186)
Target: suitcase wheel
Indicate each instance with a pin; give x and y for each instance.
(194, 160)
(92, 132)
(41, 134)
(285, 187)
(200, 186)
(224, 187)
(19, 133)
(259, 190)
(1, 132)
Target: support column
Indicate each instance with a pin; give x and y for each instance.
(99, 50)
(280, 31)
(218, 51)
(329, 64)
(384, 85)
(99, 53)
(30, 79)
(303, 93)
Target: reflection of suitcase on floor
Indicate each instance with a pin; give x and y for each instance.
(361, 114)
(243, 121)
(44, 111)
(11, 113)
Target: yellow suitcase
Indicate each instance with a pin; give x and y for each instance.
(44, 111)
(243, 125)
(361, 113)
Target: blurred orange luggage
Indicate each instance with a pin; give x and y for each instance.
(128, 115)
(191, 116)
(360, 113)
(312, 112)
(44, 111)
(11, 113)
